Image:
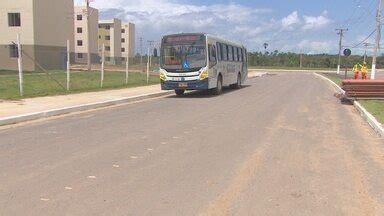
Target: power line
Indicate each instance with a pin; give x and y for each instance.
(364, 39)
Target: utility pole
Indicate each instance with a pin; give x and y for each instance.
(88, 37)
(377, 42)
(365, 53)
(341, 33)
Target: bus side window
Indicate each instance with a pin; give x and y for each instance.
(212, 55)
(241, 55)
(224, 51)
(235, 54)
(245, 55)
(230, 53)
(219, 52)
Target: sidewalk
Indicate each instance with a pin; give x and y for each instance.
(34, 108)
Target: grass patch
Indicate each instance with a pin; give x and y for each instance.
(375, 107)
(334, 77)
(38, 84)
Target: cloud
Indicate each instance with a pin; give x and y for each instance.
(313, 22)
(249, 25)
(312, 47)
(291, 20)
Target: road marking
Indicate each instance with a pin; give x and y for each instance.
(187, 132)
(163, 143)
(44, 199)
(91, 177)
(116, 165)
(150, 149)
(68, 188)
(175, 137)
(133, 157)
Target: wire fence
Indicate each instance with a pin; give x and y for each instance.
(32, 71)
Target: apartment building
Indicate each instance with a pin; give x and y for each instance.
(82, 40)
(110, 37)
(44, 27)
(128, 40)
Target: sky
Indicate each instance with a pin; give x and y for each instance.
(301, 26)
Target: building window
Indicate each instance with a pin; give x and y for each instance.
(122, 30)
(79, 17)
(79, 30)
(107, 48)
(107, 27)
(80, 55)
(123, 58)
(13, 51)
(107, 58)
(107, 37)
(122, 40)
(99, 36)
(123, 49)
(14, 19)
(79, 43)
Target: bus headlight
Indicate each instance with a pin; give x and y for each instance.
(204, 74)
(163, 75)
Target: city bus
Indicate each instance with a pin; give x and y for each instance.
(199, 61)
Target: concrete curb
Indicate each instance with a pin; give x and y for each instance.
(377, 126)
(368, 117)
(78, 108)
(293, 70)
(329, 80)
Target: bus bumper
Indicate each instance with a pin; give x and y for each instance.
(187, 85)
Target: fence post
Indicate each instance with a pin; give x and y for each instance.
(148, 67)
(102, 65)
(127, 68)
(20, 66)
(68, 66)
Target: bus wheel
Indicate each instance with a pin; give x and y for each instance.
(219, 87)
(238, 83)
(179, 92)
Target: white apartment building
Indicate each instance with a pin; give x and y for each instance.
(82, 40)
(128, 40)
(110, 37)
(44, 27)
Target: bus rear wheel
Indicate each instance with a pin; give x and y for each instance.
(179, 92)
(238, 83)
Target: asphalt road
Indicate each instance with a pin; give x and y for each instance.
(282, 145)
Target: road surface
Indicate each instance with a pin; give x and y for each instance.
(282, 145)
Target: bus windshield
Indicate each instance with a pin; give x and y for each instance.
(184, 53)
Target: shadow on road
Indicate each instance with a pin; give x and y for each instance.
(206, 93)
